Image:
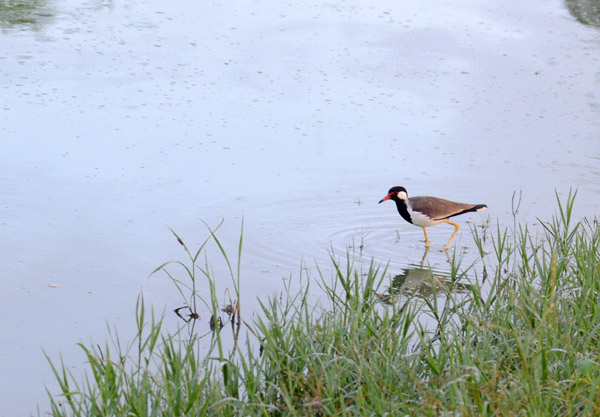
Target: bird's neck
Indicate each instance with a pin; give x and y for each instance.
(403, 209)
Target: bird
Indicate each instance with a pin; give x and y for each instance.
(425, 211)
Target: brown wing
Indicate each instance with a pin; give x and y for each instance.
(440, 209)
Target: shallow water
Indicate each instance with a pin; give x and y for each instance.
(119, 120)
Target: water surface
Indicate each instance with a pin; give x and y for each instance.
(121, 119)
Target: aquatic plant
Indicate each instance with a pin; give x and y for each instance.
(524, 339)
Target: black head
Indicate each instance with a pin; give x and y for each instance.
(395, 193)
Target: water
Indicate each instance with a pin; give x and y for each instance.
(121, 119)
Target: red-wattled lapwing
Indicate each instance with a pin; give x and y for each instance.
(425, 211)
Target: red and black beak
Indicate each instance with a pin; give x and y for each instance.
(387, 197)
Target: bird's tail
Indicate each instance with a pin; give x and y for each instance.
(479, 207)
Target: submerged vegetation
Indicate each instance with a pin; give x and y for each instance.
(522, 339)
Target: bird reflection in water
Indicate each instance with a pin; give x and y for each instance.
(422, 282)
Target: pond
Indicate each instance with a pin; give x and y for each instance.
(119, 120)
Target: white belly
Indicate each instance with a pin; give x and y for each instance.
(419, 219)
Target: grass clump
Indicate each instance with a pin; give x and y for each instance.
(523, 340)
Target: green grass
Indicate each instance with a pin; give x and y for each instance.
(524, 340)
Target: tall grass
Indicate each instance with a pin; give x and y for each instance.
(524, 342)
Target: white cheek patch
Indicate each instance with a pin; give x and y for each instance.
(402, 195)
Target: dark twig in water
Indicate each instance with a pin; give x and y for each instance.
(192, 315)
(212, 323)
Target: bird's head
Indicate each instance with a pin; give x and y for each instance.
(395, 193)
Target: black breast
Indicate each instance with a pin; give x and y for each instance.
(403, 210)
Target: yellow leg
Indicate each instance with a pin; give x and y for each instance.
(456, 227)
(426, 240)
